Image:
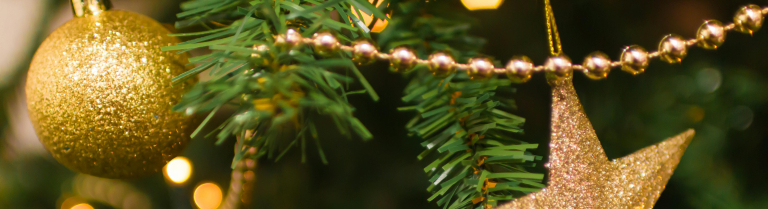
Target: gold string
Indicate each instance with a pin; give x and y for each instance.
(555, 47)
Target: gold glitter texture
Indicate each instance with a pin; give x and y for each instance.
(580, 174)
(99, 94)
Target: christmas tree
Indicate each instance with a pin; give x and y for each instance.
(377, 104)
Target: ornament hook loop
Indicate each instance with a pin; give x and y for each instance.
(82, 8)
(555, 47)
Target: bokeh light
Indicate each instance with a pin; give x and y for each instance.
(709, 80)
(71, 201)
(82, 206)
(741, 117)
(207, 196)
(115, 193)
(178, 170)
(481, 4)
(367, 19)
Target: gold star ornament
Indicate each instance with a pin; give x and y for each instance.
(580, 174)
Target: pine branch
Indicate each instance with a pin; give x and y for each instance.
(277, 91)
(479, 163)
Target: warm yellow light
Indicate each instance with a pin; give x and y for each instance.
(367, 19)
(82, 206)
(178, 170)
(207, 196)
(481, 4)
(71, 202)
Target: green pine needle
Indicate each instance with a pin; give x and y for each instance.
(276, 94)
(460, 119)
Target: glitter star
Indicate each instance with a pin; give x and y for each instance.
(580, 174)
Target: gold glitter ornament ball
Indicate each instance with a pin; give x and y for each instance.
(99, 95)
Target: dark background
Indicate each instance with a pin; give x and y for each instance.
(721, 94)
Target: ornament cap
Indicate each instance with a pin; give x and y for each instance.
(81, 8)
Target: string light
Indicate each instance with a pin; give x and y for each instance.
(207, 196)
(481, 4)
(178, 170)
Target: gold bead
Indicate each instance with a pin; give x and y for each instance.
(559, 65)
(402, 60)
(363, 52)
(597, 65)
(634, 59)
(290, 39)
(325, 44)
(748, 19)
(480, 69)
(673, 48)
(711, 34)
(520, 69)
(441, 64)
(260, 49)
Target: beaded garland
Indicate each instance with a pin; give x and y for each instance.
(634, 59)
